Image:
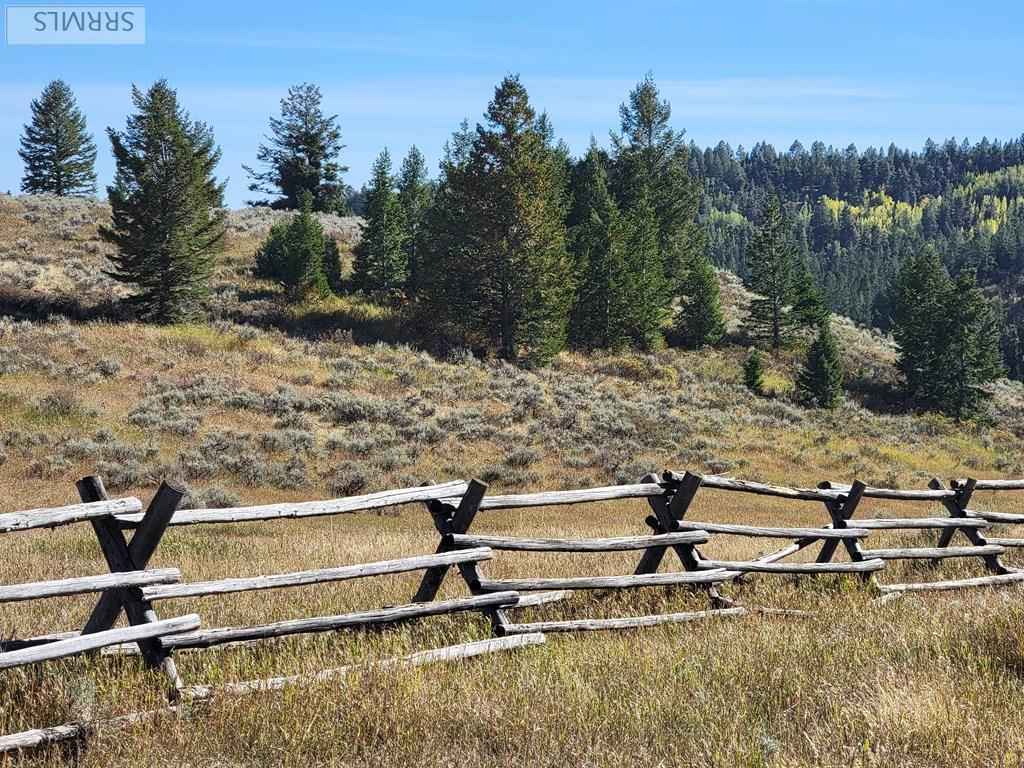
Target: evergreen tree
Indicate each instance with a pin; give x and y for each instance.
(919, 300)
(821, 376)
(167, 221)
(650, 294)
(447, 261)
(971, 357)
(500, 277)
(597, 237)
(809, 308)
(332, 266)
(414, 194)
(651, 160)
(701, 321)
(301, 155)
(295, 254)
(381, 262)
(947, 336)
(753, 371)
(771, 268)
(58, 151)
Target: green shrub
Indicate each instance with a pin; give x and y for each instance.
(753, 372)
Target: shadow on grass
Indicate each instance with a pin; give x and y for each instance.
(22, 304)
(877, 395)
(365, 322)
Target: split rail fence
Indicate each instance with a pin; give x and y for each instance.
(454, 507)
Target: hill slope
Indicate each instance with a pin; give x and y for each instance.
(325, 414)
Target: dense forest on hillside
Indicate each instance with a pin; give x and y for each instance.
(857, 215)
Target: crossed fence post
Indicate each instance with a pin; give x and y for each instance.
(957, 507)
(449, 519)
(841, 510)
(669, 508)
(122, 555)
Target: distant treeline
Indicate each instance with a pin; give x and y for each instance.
(856, 216)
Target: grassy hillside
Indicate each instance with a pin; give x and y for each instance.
(268, 402)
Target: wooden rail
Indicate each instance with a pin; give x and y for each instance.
(561, 498)
(348, 505)
(616, 544)
(759, 489)
(932, 553)
(604, 582)
(210, 637)
(772, 533)
(629, 622)
(85, 584)
(97, 640)
(72, 513)
(319, 576)
(991, 485)
(920, 523)
(863, 566)
(432, 656)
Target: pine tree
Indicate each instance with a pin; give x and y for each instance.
(272, 256)
(381, 264)
(650, 294)
(167, 221)
(809, 309)
(919, 300)
(302, 155)
(753, 371)
(58, 151)
(333, 266)
(771, 268)
(947, 337)
(597, 237)
(448, 275)
(651, 160)
(295, 254)
(971, 356)
(700, 321)
(500, 278)
(821, 376)
(414, 194)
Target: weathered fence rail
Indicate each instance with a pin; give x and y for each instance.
(124, 583)
(81, 585)
(454, 507)
(347, 505)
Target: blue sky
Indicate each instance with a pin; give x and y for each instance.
(399, 73)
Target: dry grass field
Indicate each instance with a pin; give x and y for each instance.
(268, 402)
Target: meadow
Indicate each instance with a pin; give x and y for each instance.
(268, 402)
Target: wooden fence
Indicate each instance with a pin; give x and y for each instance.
(454, 507)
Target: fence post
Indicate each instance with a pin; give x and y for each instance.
(142, 546)
(841, 510)
(666, 515)
(957, 507)
(120, 556)
(457, 522)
